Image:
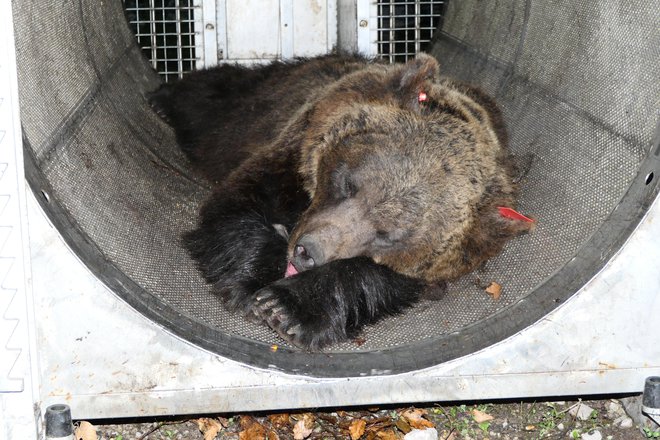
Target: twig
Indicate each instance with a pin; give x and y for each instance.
(157, 427)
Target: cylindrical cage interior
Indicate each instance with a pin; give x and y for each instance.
(578, 83)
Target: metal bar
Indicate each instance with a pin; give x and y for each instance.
(210, 29)
(286, 29)
(179, 49)
(154, 41)
(418, 35)
(363, 31)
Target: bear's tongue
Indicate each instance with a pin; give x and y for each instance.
(290, 270)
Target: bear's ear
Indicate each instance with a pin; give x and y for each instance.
(418, 71)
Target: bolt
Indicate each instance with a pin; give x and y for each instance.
(210, 26)
(364, 23)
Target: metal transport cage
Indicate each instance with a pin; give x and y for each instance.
(115, 321)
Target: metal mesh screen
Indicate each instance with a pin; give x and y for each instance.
(578, 86)
(165, 31)
(406, 27)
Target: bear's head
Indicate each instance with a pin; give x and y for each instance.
(398, 165)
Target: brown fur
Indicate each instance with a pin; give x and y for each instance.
(384, 196)
(432, 173)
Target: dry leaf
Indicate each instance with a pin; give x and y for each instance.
(387, 435)
(246, 422)
(272, 435)
(359, 341)
(300, 431)
(279, 420)
(415, 419)
(357, 428)
(209, 427)
(403, 426)
(480, 416)
(530, 428)
(252, 430)
(303, 427)
(494, 290)
(85, 431)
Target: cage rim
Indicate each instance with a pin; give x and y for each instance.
(527, 310)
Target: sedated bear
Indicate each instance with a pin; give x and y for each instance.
(344, 189)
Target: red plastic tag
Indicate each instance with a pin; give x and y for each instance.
(422, 97)
(513, 214)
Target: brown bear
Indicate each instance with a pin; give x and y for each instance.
(343, 188)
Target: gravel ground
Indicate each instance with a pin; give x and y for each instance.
(571, 419)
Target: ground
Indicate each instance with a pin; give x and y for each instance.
(521, 420)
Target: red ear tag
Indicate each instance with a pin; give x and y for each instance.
(422, 97)
(513, 214)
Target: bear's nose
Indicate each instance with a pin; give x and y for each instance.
(306, 254)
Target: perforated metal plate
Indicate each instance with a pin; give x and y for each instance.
(578, 85)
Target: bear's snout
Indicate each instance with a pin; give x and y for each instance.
(335, 233)
(307, 254)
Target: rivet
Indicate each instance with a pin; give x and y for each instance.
(364, 23)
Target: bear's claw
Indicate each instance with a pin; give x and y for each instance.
(268, 308)
(281, 309)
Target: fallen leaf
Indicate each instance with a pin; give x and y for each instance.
(403, 426)
(494, 290)
(301, 432)
(379, 424)
(480, 416)
(303, 427)
(252, 430)
(85, 431)
(246, 421)
(328, 418)
(272, 435)
(359, 341)
(279, 420)
(357, 428)
(530, 428)
(415, 419)
(387, 435)
(209, 427)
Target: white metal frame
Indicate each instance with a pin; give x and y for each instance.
(207, 23)
(66, 338)
(221, 42)
(19, 379)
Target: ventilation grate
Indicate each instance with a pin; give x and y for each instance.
(405, 27)
(165, 31)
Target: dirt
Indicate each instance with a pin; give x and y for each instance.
(521, 420)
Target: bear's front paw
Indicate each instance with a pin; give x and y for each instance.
(296, 318)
